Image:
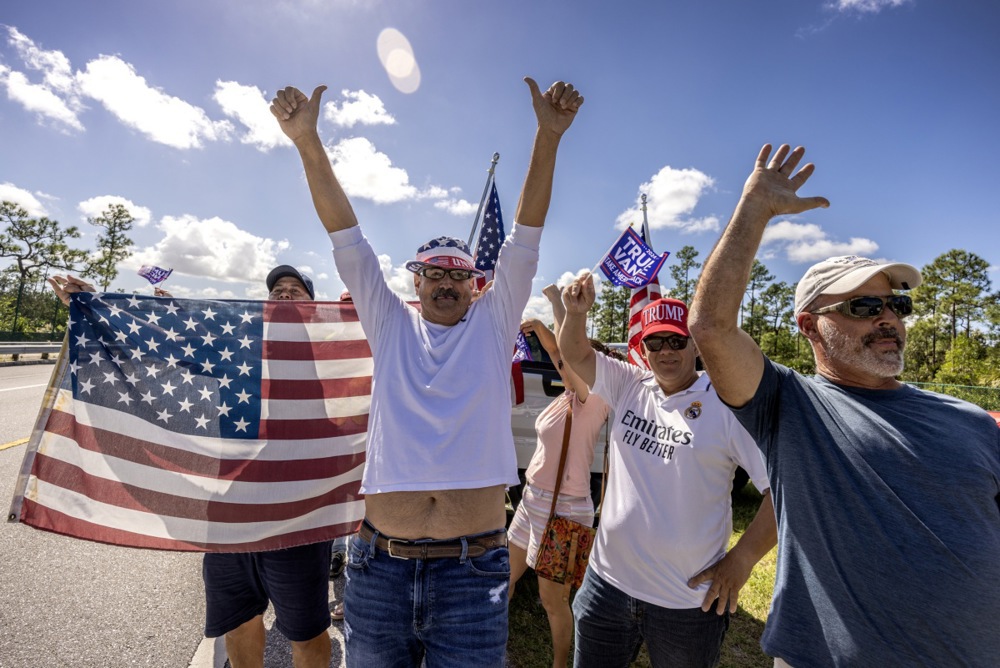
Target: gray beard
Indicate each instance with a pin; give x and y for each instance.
(857, 353)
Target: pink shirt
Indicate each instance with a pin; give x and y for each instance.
(587, 421)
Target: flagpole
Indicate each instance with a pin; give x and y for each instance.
(482, 200)
(645, 224)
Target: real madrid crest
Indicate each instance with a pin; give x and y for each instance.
(693, 411)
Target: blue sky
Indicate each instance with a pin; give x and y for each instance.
(163, 107)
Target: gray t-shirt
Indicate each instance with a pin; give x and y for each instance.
(888, 507)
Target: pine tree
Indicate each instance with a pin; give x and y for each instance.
(685, 274)
(37, 245)
(113, 245)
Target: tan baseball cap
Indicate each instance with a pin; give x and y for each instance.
(840, 275)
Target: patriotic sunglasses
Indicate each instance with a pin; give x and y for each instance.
(870, 307)
(655, 343)
(437, 273)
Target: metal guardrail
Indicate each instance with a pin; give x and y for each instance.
(15, 350)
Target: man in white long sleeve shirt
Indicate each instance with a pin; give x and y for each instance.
(428, 574)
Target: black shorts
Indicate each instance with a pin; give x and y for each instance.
(296, 581)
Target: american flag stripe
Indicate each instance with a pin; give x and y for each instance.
(325, 388)
(200, 501)
(47, 519)
(207, 426)
(318, 428)
(166, 445)
(294, 371)
(76, 443)
(305, 409)
(186, 529)
(311, 313)
(323, 350)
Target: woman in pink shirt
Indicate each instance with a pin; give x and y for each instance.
(524, 535)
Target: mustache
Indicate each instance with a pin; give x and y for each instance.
(445, 292)
(889, 333)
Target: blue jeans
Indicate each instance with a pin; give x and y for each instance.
(611, 626)
(449, 612)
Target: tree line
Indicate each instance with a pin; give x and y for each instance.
(40, 247)
(953, 336)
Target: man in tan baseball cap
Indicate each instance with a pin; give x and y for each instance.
(885, 494)
(841, 275)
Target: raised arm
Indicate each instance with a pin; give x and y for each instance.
(555, 110)
(554, 295)
(732, 358)
(297, 115)
(574, 345)
(549, 341)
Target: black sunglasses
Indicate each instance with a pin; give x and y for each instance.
(870, 307)
(654, 344)
(437, 273)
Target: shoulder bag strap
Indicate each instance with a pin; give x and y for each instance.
(607, 448)
(562, 457)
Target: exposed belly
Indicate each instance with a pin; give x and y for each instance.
(437, 514)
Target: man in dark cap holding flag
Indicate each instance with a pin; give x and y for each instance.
(239, 586)
(429, 570)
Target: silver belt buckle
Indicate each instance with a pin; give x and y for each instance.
(389, 548)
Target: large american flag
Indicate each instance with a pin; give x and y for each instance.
(220, 426)
(640, 297)
(491, 237)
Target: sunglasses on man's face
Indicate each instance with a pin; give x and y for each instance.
(437, 273)
(870, 307)
(654, 344)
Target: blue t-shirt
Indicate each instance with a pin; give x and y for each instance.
(888, 507)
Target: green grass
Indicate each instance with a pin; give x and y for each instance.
(529, 645)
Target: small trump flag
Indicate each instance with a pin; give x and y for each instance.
(154, 274)
(630, 262)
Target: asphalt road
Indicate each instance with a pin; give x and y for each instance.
(73, 603)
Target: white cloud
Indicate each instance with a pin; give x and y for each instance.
(538, 308)
(56, 98)
(365, 172)
(211, 249)
(249, 106)
(865, 6)
(39, 99)
(54, 65)
(458, 207)
(437, 192)
(96, 206)
(787, 231)
(161, 117)
(672, 195)
(11, 193)
(398, 278)
(807, 242)
(358, 107)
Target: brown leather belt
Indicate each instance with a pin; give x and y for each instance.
(433, 549)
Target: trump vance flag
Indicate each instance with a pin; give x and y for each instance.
(630, 262)
(154, 274)
(219, 426)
